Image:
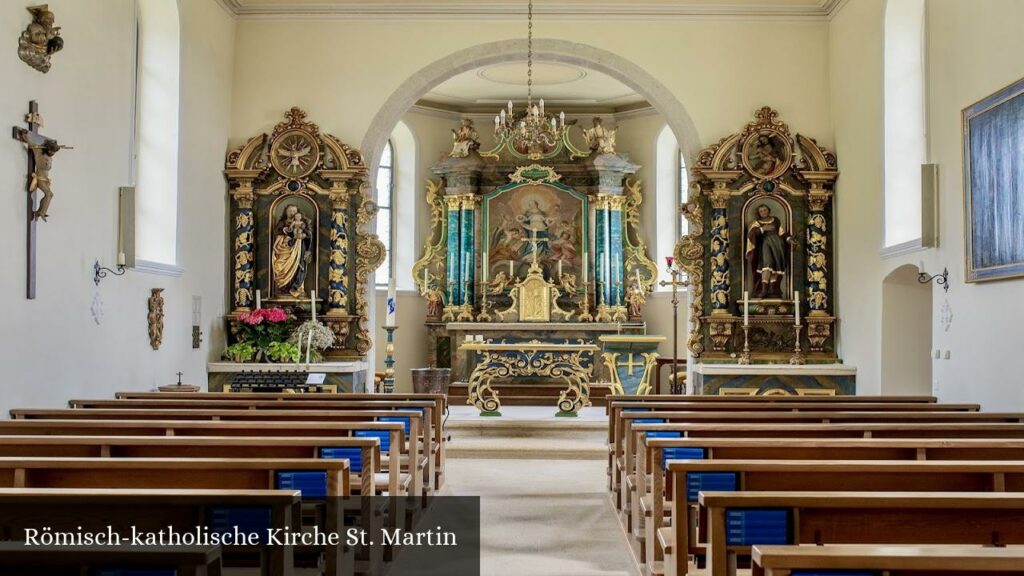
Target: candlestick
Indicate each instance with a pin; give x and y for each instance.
(312, 303)
(746, 308)
(798, 357)
(258, 300)
(389, 360)
(745, 357)
(391, 304)
(584, 315)
(796, 308)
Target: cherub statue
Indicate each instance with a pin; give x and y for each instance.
(40, 39)
(40, 178)
(635, 300)
(600, 138)
(568, 283)
(498, 284)
(435, 301)
(465, 139)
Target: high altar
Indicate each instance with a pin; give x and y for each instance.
(759, 254)
(533, 254)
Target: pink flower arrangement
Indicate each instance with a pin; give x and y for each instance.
(271, 315)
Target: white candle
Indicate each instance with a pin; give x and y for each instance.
(560, 268)
(511, 269)
(258, 300)
(391, 304)
(796, 307)
(309, 345)
(484, 271)
(120, 259)
(312, 303)
(639, 285)
(746, 308)
(586, 265)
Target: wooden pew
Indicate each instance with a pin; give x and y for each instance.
(920, 560)
(433, 436)
(871, 518)
(15, 557)
(175, 473)
(421, 477)
(623, 452)
(835, 475)
(646, 511)
(439, 412)
(95, 509)
(395, 483)
(363, 482)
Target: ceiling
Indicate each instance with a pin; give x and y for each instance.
(646, 9)
(560, 85)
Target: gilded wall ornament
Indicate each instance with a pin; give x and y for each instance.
(40, 39)
(155, 318)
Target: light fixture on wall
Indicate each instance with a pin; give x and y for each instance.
(100, 272)
(532, 131)
(940, 279)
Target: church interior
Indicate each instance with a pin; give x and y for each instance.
(660, 288)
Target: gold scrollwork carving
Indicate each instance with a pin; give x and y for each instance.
(634, 245)
(370, 253)
(435, 246)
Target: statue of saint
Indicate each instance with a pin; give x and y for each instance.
(600, 138)
(435, 302)
(465, 139)
(635, 299)
(291, 252)
(768, 253)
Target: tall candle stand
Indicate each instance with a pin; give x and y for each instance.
(602, 308)
(745, 356)
(466, 310)
(449, 309)
(798, 356)
(618, 311)
(389, 360)
(484, 315)
(585, 315)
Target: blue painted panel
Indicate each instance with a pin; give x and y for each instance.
(616, 274)
(468, 256)
(454, 288)
(353, 455)
(383, 435)
(402, 419)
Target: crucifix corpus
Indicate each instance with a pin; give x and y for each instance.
(40, 159)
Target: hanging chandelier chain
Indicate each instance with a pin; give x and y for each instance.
(529, 54)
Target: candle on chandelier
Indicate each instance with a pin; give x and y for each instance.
(746, 308)
(796, 308)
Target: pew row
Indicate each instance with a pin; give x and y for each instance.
(982, 519)
(398, 483)
(688, 516)
(421, 467)
(16, 558)
(872, 560)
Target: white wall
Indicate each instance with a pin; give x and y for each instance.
(50, 347)
(906, 333)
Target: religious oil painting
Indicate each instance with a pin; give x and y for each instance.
(540, 216)
(767, 154)
(994, 185)
(293, 247)
(768, 248)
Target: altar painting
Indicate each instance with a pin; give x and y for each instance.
(519, 218)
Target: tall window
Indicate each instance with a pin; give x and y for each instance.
(385, 215)
(670, 191)
(905, 138)
(684, 191)
(155, 162)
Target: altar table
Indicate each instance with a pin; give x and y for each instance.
(566, 361)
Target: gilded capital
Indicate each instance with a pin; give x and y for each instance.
(454, 203)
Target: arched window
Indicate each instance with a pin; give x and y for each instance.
(155, 148)
(905, 137)
(670, 184)
(385, 214)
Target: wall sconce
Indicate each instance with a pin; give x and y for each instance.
(940, 279)
(100, 272)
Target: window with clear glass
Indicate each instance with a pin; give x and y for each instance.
(385, 214)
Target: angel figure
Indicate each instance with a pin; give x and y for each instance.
(568, 283)
(435, 301)
(635, 300)
(498, 284)
(600, 138)
(465, 139)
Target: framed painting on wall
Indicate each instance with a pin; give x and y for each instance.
(993, 147)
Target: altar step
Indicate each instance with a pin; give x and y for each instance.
(528, 394)
(512, 438)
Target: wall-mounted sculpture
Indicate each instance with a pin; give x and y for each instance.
(301, 208)
(155, 318)
(40, 40)
(759, 247)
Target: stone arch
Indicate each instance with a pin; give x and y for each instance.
(545, 49)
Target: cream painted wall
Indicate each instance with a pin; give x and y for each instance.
(906, 333)
(969, 51)
(51, 348)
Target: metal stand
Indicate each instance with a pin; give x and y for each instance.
(466, 310)
(745, 357)
(389, 360)
(484, 315)
(674, 283)
(798, 357)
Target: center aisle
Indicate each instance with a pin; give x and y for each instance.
(542, 514)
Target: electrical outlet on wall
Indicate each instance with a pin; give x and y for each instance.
(945, 355)
(937, 354)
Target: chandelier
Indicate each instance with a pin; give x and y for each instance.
(530, 131)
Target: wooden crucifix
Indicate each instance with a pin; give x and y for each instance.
(40, 159)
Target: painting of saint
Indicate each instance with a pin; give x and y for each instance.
(766, 155)
(768, 248)
(534, 216)
(291, 251)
